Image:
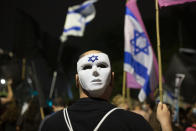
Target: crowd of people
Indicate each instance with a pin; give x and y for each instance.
(95, 110)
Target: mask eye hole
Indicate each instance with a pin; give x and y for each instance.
(87, 67)
(102, 65)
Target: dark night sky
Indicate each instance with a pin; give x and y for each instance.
(45, 19)
(26, 21)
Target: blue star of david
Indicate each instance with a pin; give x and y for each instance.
(138, 49)
(93, 58)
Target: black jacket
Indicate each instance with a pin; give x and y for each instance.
(86, 113)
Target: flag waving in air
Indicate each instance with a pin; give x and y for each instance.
(139, 60)
(77, 18)
(172, 2)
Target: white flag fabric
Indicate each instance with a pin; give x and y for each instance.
(77, 18)
(138, 55)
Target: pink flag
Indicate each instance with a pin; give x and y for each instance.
(172, 2)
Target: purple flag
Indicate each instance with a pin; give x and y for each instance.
(173, 2)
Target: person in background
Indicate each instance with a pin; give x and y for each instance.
(58, 104)
(9, 97)
(192, 117)
(137, 108)
(9, 109)
(93, 111)
(31, 117)
(120, 102)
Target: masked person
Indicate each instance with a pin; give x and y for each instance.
(92, 111)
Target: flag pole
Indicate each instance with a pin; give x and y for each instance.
(124, 84)
(159, 51)
(55, 73)
(23, 68)
(124, 78)
(42, 112)
(129, 98)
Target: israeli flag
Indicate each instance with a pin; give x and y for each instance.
(77, 18)
(138, 54)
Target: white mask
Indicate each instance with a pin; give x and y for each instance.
(94, 72)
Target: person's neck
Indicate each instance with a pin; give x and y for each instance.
(83, 95)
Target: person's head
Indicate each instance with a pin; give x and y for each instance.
(136, 105)
(120, 102)
(192, 115)
(94, 77)
(58, 104)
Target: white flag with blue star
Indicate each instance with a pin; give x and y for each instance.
(77, 18)
(138, 55)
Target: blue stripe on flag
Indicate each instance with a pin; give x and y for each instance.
(146, 86)
(128, 12)
(138, 68)
(83, 7)
(77, 28)
(80, 8)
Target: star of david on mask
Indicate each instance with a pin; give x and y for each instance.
(94, 72)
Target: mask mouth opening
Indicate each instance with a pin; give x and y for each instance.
(96, 80)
